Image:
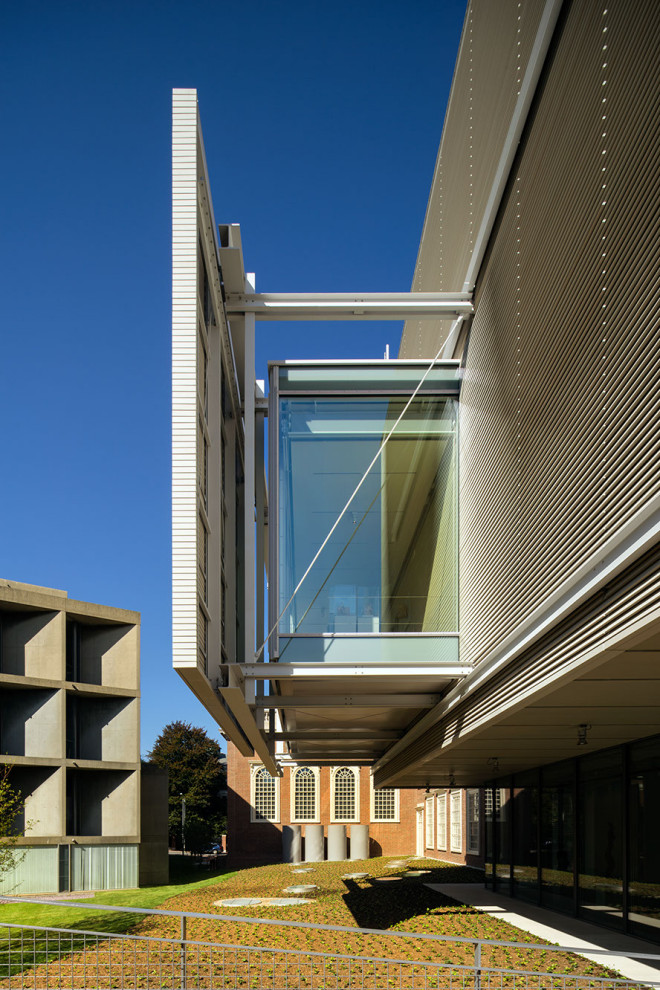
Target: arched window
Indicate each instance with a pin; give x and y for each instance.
(305, 794)
(265, 796)
(345, 795)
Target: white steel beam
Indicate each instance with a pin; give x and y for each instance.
(349, 701)
(347, 735)
(279, 671)
(234, 697)
(351, 306)
(248, 386)
(336, 756)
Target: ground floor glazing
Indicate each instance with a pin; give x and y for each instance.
(582, 837)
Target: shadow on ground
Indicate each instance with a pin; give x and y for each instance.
(384, 904)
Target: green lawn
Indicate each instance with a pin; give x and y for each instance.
(183, 880)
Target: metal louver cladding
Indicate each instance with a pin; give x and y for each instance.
(561, 390)
(586, 639)
(495, 48)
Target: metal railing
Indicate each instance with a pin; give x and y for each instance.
(33, 957)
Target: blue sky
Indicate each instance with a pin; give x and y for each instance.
(321, 123)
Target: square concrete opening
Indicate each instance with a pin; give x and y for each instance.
(101, 728)
(40, 789)
(101, 802)
(30, 722)
(101, 653)
(31, 644)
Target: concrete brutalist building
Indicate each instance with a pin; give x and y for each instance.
(70, 729)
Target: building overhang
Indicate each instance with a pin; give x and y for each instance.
(364, 709)
(614, 699)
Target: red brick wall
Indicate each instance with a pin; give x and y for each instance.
(261, 842)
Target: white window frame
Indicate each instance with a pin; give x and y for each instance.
(372, 809)
(317, 796)
(356, 783)
(441, 822)
(497, 792)
(254, 819)
(473, 829)
(429, 822)
(456, 822)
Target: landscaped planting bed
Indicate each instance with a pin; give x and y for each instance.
(402, 905)
(407, 905)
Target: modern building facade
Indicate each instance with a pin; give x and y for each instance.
(523, 651)
(70, 731)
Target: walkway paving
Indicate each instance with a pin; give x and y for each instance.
(549, 926)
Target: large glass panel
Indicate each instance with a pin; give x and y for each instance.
(558, 836)
(503, 809)
(644, 856)
(391, 563)
(601, 798)
(525, 837)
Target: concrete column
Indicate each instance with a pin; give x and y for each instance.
(359, 842)
(314, 844)
(336, 842)
(291, 844)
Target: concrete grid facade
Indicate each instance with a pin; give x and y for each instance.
(69, 730)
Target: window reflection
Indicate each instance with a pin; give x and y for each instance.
(601, 837)
(558, 836)
(525, 831)
(390, 565)
(644, 852)
(578, 821)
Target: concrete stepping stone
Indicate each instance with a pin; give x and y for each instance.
(239, 902)
(303, 888)
(416, 873)
(355, 876)
(386, 879)
(307, 869)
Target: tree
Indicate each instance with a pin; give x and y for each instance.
(196, 773)
(11, 805)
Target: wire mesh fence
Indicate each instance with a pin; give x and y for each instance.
(71, 959)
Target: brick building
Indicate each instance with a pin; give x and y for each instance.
(442, 824)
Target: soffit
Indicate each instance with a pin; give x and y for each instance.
(355, 711)
(618, 699)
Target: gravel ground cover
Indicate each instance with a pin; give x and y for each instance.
(407, 905)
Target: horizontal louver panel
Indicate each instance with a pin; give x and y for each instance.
(617, 609)
(495, 47)
(560, 401)
(185, 426)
